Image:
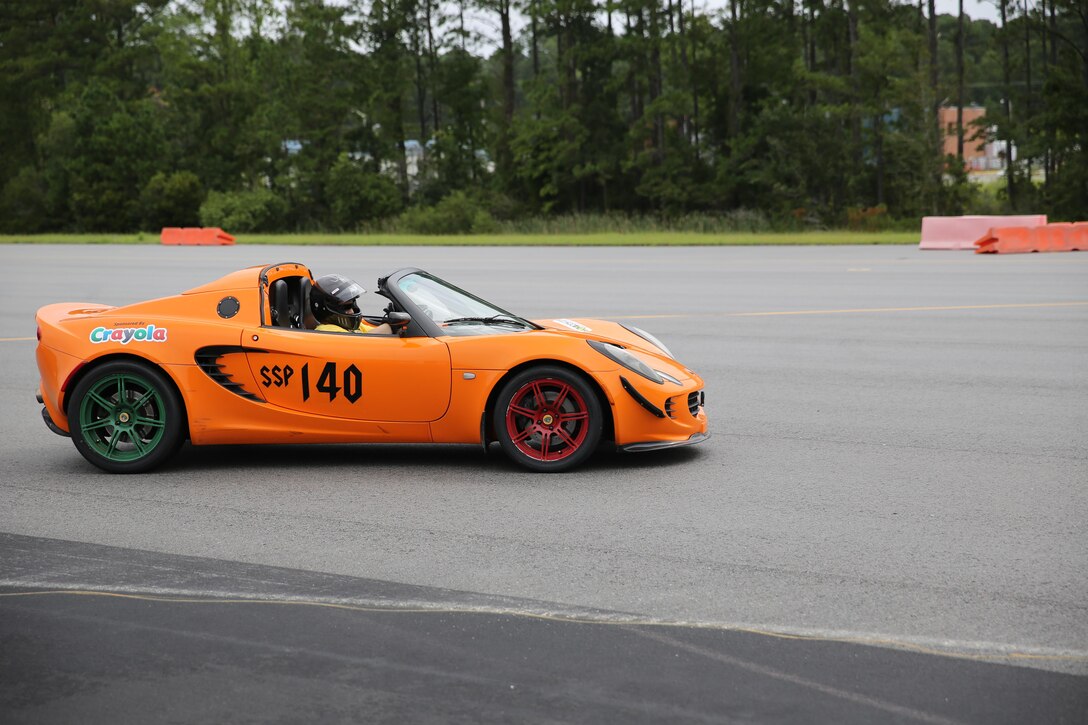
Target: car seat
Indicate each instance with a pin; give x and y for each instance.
(279, 303)
(308, 321)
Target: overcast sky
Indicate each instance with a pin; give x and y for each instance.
(486, 24)
(975, 9)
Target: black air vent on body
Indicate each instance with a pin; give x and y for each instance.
(207, 359)
(695, 401)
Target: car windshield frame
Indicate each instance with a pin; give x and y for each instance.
(472, 306)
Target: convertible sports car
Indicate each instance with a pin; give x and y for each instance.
(238, 361)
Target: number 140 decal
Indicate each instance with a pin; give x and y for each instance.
(349, 383)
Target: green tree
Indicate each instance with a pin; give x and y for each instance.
(793, 109)
(117, 150)
(171, 200)
(358, 195)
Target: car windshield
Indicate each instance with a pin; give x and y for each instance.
(452, 307)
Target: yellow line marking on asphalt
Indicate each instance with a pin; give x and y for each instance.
(629, 622)
(782, 313)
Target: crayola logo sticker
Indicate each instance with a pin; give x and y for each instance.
(125, 335)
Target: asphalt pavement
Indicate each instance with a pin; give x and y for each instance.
(294, 646)
(898, 455)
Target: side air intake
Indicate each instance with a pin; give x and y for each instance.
(207, 359)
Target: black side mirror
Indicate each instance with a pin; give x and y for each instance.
(398, 320)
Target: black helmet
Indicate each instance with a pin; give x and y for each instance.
(332, 300)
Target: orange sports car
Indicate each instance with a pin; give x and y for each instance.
(245, 359)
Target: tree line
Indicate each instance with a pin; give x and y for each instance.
(450, 115)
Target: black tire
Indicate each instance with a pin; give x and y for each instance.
(126, 417)
(547, 418)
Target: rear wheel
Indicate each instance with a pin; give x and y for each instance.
(547, 418)
(125, 417)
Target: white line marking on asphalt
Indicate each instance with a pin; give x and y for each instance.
(961, 649)
(771, 672)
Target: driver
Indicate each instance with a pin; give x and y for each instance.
(333, 300)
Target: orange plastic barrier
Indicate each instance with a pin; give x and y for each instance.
(196, 235)
(1021, 240)
(960, 232)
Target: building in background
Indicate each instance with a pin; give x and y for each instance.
(979, 154)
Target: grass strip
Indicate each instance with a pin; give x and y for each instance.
(607, 239)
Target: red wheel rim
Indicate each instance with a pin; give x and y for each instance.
(547, 419)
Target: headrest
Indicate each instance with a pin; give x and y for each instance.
(279, 303)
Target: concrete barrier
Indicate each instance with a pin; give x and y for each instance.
(961, 232)
(207, 236)
(1061, 237)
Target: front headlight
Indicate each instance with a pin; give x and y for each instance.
(649, 338)
(626, 359)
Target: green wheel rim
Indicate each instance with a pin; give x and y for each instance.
(122, 417)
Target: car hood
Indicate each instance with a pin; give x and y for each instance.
(603, 330)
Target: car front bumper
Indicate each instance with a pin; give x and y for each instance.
(649, 416)
(660, 445)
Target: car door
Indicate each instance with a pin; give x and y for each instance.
(347, 375)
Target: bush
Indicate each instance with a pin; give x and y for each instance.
(867, 218)
(504, 208)
(737, 220)
(990, 199)
(23, 203)
(259, 210)
(171, 200)
(357, 195)
(455, 214)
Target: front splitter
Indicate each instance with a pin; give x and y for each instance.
(659, 445)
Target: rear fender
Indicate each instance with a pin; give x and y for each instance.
(82, 369)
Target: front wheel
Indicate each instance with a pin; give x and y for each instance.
(547, 418)
(125, 417)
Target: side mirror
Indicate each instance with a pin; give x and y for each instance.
(398, 320)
